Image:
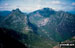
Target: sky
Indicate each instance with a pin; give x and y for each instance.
(32, 5)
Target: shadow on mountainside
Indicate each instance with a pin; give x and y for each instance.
(6, 41)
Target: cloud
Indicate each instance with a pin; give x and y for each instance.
(55, 2)
(68, 8)
(71, 8)
(1, 7)
(73, 3)
(28, 8)
(6, 4)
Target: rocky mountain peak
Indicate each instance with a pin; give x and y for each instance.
(16, 11)
(46, 12)
(48, 9)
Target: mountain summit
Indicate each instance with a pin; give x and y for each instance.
(17, 11)
(48, 9)
(45, 12)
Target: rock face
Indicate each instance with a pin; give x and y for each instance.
(44, 28)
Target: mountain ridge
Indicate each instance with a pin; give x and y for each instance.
(41, 26)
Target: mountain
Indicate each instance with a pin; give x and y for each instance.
(20, 23)
(44, 28)
(53, 24)
(16, 20)
(16, 24)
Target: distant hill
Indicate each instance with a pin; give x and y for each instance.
(4, 13)
(72, 12)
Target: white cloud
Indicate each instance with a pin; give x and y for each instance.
(1, 7)
(71, 8)
(73, 3)
(28, 8)
(55, 2)
(6, 4)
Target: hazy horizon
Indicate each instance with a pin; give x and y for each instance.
(72, 12)
(32, 5)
